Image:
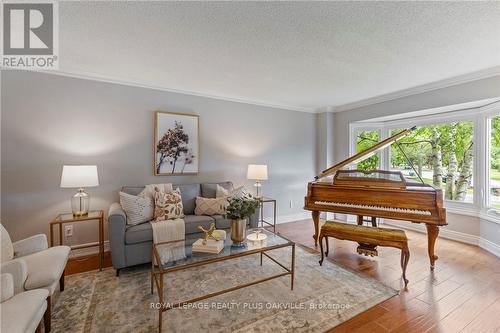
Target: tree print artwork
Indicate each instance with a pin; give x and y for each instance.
(176, 144)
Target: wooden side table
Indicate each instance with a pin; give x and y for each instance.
(264, 200)
(93, 215)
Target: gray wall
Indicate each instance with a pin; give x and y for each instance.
(50, 120)
(324, 140)
(491, 232)
(462, 93)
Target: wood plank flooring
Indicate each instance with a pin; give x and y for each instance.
(461, 295)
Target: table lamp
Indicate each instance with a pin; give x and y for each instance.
(257, 172)
(79, 176)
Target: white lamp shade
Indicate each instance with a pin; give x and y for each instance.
(75, 176)
(257, 172)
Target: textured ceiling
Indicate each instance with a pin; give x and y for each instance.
(304, 55)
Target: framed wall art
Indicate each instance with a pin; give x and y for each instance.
(176, 144)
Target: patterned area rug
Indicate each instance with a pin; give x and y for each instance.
(323, 297)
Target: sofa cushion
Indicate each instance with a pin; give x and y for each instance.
(222, 223)
(189, 193)
(193, 221)
(144, 233)
(46, 267)
(7, 286)
(139, 233)
(23, 311)
(209, 190)
(7, 250)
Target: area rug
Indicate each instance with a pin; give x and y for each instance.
(323, 297)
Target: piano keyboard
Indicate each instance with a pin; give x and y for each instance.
(380, 208)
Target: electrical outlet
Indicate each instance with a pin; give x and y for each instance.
(68, 230)
(291, 203)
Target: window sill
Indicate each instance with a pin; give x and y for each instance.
(491, 215)
(461, 208)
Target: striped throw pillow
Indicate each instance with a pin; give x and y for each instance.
(139, 209)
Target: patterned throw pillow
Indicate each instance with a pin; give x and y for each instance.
(168, 205)
(210, 206)
(236, 193)
(138, 209)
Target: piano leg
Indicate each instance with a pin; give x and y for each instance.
(315, 217)
(432, 233)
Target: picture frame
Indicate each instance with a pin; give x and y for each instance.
(176, 146)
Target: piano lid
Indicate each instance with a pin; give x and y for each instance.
(365, 154)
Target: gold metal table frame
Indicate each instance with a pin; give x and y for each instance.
(158, 272)
(93, 215)
(263, 201)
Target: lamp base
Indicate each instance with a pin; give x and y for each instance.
(257, 185)
(80, 214)
(80, 203)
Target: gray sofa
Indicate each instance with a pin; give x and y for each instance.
(131, 244)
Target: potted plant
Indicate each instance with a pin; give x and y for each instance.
(238, 210)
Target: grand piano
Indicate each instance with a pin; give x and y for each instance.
(377, 194)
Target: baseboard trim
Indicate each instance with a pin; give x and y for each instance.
(443, 232)
(88, 250)
(489, 246)
(290, 218)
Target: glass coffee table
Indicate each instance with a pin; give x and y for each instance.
(196, 259)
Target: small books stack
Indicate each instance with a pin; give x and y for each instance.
(212, 246)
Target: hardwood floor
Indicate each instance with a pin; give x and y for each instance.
(461, 295)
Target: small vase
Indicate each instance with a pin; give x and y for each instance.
(238, 232)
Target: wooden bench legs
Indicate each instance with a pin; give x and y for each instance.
(405, 255)
(321, 248)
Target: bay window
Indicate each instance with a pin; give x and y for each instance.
(494, 167)
(365, 140)
(442, 154)
(457, 151)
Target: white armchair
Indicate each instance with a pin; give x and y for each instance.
(33, 265)
(21, 312)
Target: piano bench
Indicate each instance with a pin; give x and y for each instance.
(367, 235)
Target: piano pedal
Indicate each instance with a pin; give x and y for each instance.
(367, 251)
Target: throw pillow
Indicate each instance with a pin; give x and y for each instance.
(149, 190)
(221, 192)
(210, 206)
(168, 205)
(138, 209)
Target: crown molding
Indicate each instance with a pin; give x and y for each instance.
(469, 77)
(132, 83)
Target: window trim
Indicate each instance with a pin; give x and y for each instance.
(352, 148)
(481, 120)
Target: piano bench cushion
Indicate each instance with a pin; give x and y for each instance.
(330, 228)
